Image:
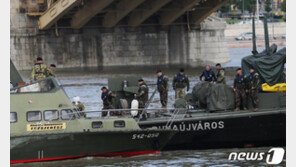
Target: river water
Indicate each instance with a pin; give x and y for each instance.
(87, 85)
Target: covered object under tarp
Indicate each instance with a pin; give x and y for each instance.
(270, 67)
(214, 96)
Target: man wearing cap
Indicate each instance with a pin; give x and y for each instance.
(142, 95)
(180, 81)
(107, 98)
(240, 87)
(208, 75)
(40, 71)
(253, 86)
(220, 74)
(162, 87)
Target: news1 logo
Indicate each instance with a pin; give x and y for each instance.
(273, 157)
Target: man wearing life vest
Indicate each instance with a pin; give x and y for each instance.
(240, 87)
(208, 75)
(142, 95)
(162, 87)
(180, 82)
(253, 86)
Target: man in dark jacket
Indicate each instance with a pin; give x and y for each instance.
(253, 86)
(162, 87)
(107, 97)
(180, 81)
(208, 75)
(240, 86)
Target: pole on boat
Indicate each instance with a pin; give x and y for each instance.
(254, 35)
(266, 37)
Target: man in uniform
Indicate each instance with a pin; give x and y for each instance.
(162, 87)
(253, 85)
(79, 106)
(107, 98)
(180, 81)
(40, 71)
(240, 89)
(142, 95)
(208, 75)
(220, 74)
(53, 68)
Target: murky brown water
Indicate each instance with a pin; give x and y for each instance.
(87, 85)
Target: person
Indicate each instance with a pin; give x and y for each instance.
(142, 95)
(53, 68)
(253, 85)
(240, 89)
(40, 71)
(78, 105)
(208, 75)
(107, 98)
(180, 81)
(220, 74)
(162, 87)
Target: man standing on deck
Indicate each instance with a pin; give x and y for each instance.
(240, 89)
(208, 75)
(220, 74)
(142, 95)
(162, 87)
(180, 81)
(253, 86)
(107, 98)
(40, 71)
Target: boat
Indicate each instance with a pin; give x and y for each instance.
(45, 126)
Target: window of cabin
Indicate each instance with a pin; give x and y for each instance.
(33, 116)
(50, 115)
(67, 114)
(13, 117)
(97, 124)
(119, 124)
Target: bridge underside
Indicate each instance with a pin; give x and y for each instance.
(109, 13)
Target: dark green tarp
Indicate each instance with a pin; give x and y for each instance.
(270, 67)
(214, 96)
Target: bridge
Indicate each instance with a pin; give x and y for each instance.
(107, 33)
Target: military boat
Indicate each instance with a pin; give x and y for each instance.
(45, 126)
(205, 118)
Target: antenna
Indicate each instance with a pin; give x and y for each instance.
(254, 34)
(266, 36)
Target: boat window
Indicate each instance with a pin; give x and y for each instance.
(97, 124)
(40, 86)
(34, 116)
(50, 115)
(67, 114)
(13, 117)
(119, 124)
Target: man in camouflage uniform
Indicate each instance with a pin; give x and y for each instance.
(40, 71)
(79, 106)
(240, 88)
(142, 95)
(180, 81)
(253, 86)
(53, 69)
(220, 74)
(107, 98)
(162, 87)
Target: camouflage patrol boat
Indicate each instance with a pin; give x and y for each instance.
(205, 118)
(45, 126)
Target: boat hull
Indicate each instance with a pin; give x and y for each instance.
(47, 147)
(228, 130)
